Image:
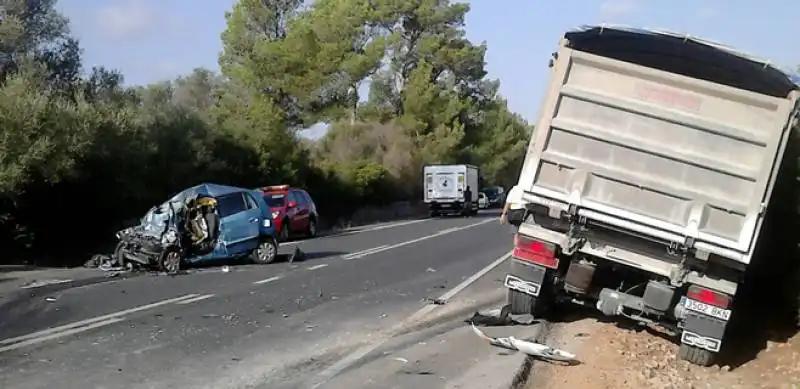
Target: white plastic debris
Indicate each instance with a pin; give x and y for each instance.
(530, 348)
(226, 269)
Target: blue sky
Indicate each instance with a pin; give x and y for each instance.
(151, 40)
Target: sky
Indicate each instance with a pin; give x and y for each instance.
(153, 40)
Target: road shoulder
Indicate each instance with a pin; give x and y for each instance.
(441, 350)
(622, 358)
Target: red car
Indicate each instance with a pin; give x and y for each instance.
(293, 211)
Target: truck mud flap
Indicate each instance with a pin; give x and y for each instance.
(703, 331)
(525, 278)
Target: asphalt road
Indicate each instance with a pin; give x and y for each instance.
(255, 326)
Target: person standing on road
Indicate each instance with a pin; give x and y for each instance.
(514, 209)
(468, 199)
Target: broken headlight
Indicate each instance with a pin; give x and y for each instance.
(276, 214)
(169, 237)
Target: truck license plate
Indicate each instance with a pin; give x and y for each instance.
(710, 310)
(692, 339)
(521, 285)
(445, 205)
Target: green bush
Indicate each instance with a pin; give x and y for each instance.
(80, 156)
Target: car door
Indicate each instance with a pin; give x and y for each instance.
(238, 222)
(302, 210)
(292, 211)
(312, 208)
(254, 219)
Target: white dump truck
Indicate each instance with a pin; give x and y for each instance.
(445, 189)
(647, 180)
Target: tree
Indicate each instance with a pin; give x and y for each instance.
(32, 30)
(74, 148)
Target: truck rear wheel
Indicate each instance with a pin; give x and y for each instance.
(696, 355)
(522, 303)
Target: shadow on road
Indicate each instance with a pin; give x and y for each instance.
(321, 254)
(482, 214)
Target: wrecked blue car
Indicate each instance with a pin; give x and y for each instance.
(208, 222)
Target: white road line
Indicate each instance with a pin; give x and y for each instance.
(264, 281)
(114, 315)
(361, 253)
(392, 225)
(412, 241)
(448, 230)
(196, 299)
(460, 287)
(61, 334)
(355, 356)
(320, 266)
(360, 229)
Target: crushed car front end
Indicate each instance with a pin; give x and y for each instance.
(145, 244)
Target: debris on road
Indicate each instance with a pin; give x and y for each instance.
(500, 317)
(533, 349)
(50, 299)
(226, 269)
(108, 264)
(435, 301)
(296, 255)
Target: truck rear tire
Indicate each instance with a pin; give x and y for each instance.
(696, 355)
(522, 304)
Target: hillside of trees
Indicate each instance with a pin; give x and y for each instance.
(81, 151)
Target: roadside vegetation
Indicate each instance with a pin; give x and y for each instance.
(81, 151)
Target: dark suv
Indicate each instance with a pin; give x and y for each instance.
(293, 211)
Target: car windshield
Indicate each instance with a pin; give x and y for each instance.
(491, 192)
(274, 199)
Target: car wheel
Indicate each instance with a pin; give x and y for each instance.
(522, 303)
(284, 235)
(170, 260)
(266, 252)
(312, 228)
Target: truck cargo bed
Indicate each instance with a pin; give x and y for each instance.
(658, 152)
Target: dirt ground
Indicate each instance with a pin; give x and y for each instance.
(617, 358)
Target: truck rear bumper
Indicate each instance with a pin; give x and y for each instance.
(454, 206)
(626, 257)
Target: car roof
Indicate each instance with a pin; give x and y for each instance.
(280, 189)
(206, 189)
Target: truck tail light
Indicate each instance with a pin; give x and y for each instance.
(709, 296)
(531, 250)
